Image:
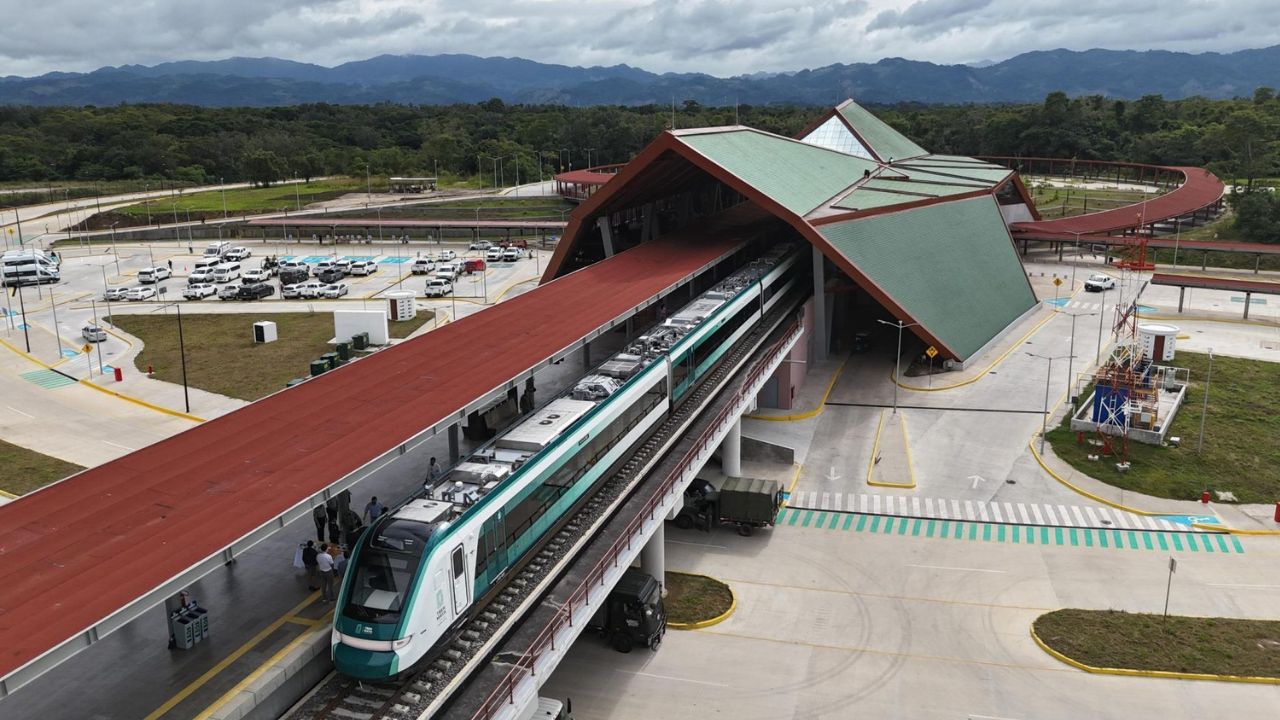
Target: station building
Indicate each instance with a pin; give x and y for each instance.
(897, 233)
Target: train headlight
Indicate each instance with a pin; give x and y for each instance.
(402, 642)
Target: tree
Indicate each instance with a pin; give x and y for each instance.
(262, 167)
(1257, 215)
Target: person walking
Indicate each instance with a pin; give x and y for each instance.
(324, 568)
(321, 518)
(309, 561)
(433, 472)
(373, 510)
(170, 265)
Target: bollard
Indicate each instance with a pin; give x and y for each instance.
(1204, 497)
(152, 371)
(119, 374)
(1278, 512)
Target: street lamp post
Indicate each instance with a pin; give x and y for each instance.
(297, 196)
(114, 251)
(897, 363)
(1044, 419)
(146, 202)
(53, 300)
(1176, 238)
(223, 183)
(22, 306)
(1072, 353)
(94, 306)
(1204, 410)
(182, 351)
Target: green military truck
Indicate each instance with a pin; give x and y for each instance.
(748, 503)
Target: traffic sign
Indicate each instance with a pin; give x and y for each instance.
(1057, 282)
(932, 352)
(86, 348)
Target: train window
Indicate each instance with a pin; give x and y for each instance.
(459, 563)
(711, 344)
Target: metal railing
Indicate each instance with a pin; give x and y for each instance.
(525, 664)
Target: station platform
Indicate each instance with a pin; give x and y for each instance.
(77, 552)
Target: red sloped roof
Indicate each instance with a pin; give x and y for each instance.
(73, 553)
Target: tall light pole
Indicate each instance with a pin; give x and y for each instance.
(297, 196)
(223, 183)
(146, 202)
(1176, 238)
(494, 160)
(53, 300)
(1072, 353)
(897, 363)
(1044, 419)
(368, 184)
(182, 351)
(589, 151)
(1204, 410)
(22, 306)
(114, 251)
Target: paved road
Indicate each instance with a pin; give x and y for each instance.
(840, 624)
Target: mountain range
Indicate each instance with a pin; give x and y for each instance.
(445, 79)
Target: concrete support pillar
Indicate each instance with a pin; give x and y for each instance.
(1182, 292)
(606, 234)
(648, 224)
(819, 307)
(454, 453)
(1247, 297)
(653, 557)
(731, 450)
(631, 326)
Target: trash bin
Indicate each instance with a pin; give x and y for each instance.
(199, 622)
(344, 350)
(339, 362)
(119, 374)
(182, 630)
(319, 366)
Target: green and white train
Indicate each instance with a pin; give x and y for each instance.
(418, 571)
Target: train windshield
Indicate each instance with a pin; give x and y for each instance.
(382, 578)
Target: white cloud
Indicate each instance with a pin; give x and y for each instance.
(720, 37)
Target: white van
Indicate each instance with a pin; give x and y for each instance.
(32, 273)
(226, 272)
(217, 249)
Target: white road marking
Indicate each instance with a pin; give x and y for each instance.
(1235, 585)
(1079, 518)
(955, 508)
(1008, 513)
(826, 501)
(968, 509)
(982, 512)
(1035, 510)
(1053, 517)
(122, 447)
(915, 506)
(995, 512)
(19, 411)
(958, 569)
(862, 499)
(706, 545)
(1022, 512)
(1093, 517)
(670, 677)
(875, 504)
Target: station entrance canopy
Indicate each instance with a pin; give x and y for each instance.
(924, 235)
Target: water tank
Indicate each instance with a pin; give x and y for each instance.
(402, 305)
(1157, 341)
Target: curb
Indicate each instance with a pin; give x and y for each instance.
(9, 495)
(733, 605)
(1162, 674)
(822, 404)
(875, 447)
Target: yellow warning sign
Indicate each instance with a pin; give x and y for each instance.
(932, 352)
(86, 348)
(1057, 281)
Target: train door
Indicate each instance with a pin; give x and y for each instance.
(461, 589)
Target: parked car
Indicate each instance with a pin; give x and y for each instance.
(479, 245)
(93, 333)
(291, 291)
(336, 290)
(494, 254)
(154, 274)
(422, 266)
(447, 255)
(286, 265)
(238, 253)
(438, 287)
(115, 293)
(255, 291)
(324, 265)
(342, 263)
(311, 289)
(140, 293)
(292, 276)
(364, 267)
(203, 275)
(199, 291)
(515, 243)
(255, 275)
(330, 275)
(511, 254)
(1099, 282)
(229, 292)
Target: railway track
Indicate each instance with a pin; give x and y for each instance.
(342, 698)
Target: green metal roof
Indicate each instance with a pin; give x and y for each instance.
(951, 266)
(955, 159)
(987, 176)
(883, 140)
(796, 175)
(865, 198)
(922, 188)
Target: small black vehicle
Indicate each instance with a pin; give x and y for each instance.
(255, 291)
(633, 614)
(331, 275)
(293, 276)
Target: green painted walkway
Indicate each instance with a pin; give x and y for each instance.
(1101, 539)
(48, 379)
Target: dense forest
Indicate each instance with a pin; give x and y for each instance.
(1238, 139)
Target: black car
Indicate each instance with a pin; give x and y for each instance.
(292, 277)
(331, 275)
(255, 291)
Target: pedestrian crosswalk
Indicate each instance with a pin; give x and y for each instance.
(1013, 513)
(48, 379)
(989, 532)
(1080, 305)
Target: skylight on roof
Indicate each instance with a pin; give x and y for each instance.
(833, 135)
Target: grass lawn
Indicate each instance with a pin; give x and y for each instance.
(1056, 202)
(246, 200)
(221, 354)
(695, 598)
(1240, 451)
(483, 208)
(1113, 639)
(23, 470)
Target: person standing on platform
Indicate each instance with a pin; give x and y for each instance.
(335, 527)
(309, 561)
(374, 510)
(433, 472)
(321, 518)
(324, 568)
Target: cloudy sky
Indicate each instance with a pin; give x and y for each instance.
(713, 36)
